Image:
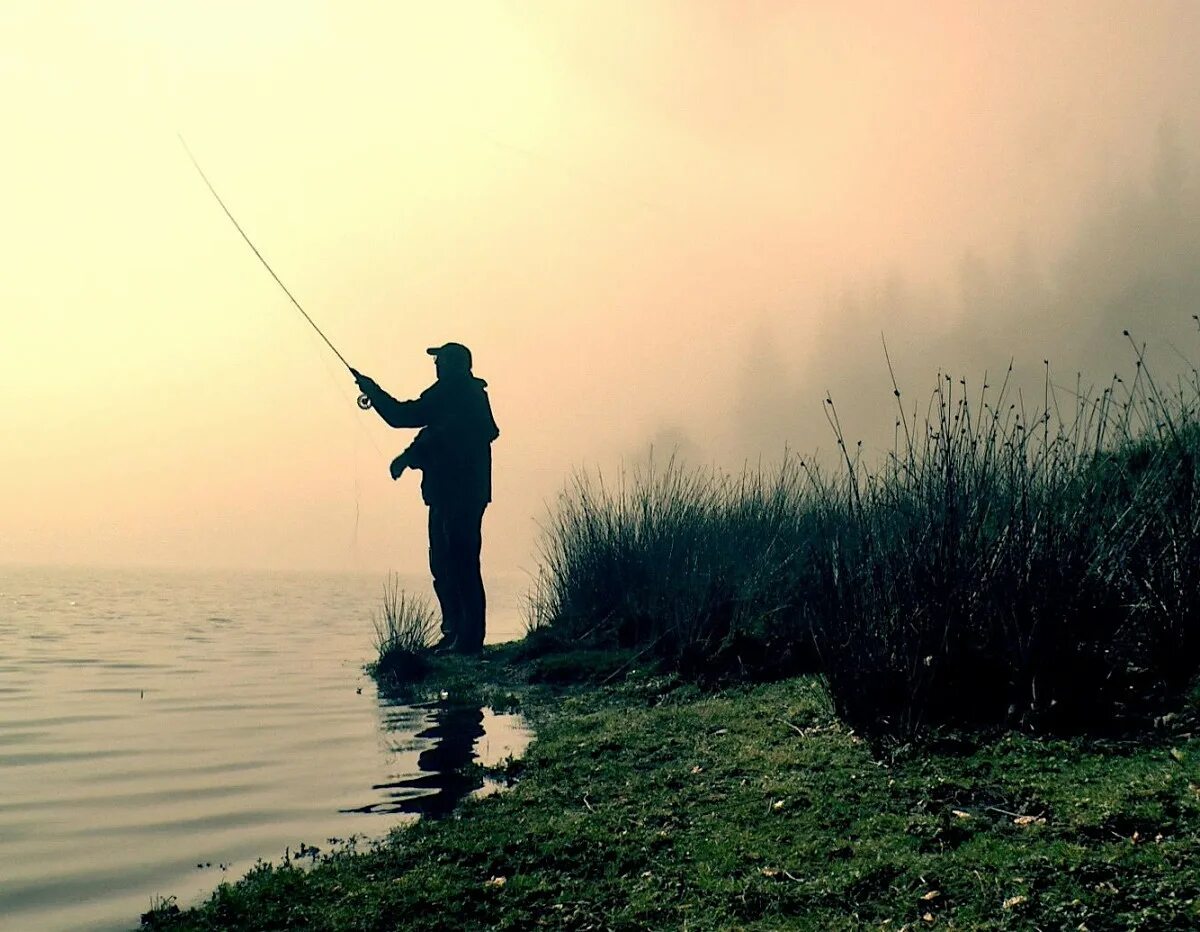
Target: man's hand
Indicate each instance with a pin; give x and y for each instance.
(399, 464)
(365, 382)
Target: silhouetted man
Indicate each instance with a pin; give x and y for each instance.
(454, 453)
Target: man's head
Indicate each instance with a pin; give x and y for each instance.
(451, 359)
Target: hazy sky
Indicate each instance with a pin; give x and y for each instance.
(673, 220)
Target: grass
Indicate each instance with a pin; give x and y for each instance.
(999, 567)
(405, 629)
(647, 806)
(697, 569)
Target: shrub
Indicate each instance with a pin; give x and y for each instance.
(999, 569)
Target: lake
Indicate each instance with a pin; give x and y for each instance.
(162, 731)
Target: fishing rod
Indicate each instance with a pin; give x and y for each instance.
(363, 401)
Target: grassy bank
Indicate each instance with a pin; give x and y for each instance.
(642, 807)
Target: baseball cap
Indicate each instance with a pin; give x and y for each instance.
(452, 352)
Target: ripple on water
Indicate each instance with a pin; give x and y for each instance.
(110, 690)
(92, 798)
(37, 758)
(62, 661)
(22, 738)
(90, 882)
(39, 721)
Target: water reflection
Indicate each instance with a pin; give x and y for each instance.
(461, 736)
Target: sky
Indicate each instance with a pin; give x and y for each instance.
(667, 225)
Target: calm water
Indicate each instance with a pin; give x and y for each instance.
(160, 732)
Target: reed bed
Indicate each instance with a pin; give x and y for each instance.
(999, 567)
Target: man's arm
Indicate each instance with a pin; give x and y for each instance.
(395, 413)
(414, 456)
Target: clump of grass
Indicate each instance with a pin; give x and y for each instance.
(405, 629)
(1007, 569)
(695, 569)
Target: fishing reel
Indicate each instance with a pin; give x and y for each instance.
(364, 402)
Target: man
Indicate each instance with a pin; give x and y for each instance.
(454, 453)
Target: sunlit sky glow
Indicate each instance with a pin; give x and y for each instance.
(616, 205)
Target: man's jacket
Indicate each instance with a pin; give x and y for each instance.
(454, 450)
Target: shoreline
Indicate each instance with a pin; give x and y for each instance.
(650, 804)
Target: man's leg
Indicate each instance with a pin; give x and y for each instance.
(442, 566)
(471, 599)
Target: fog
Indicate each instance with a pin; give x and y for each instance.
(1130, 264)
(667, 225)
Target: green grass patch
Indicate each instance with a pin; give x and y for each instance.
(582, 666)
(643, 806)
